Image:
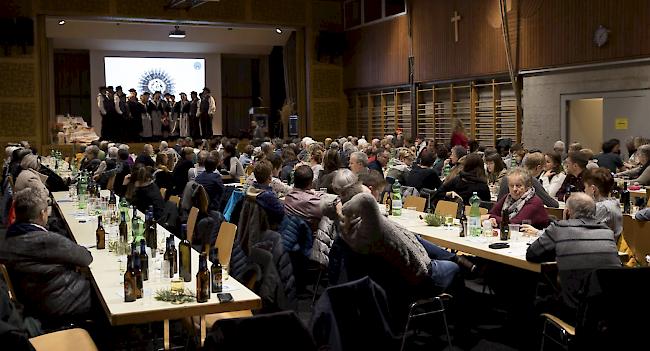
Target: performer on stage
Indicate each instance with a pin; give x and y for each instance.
(144, 109)
(156, 109)
(207, 109)
(134, 124)
(112, 123)
(194, 125)
(182, 109)
(123, 116)
(101, 104)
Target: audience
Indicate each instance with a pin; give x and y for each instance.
(302, 200)
(212, 183)
(44, 264)
(199, 168)
(553, 175)
(641, 173)
(180, 173)
(380, 161)
(575, 165)
(598, 184)
(402, 166)
(495, 168)
(469, 181)
(29, 177)
(579, 244)
(91, 159)
(231, 162)
(266, 197)
(610, 157)
(145, 157)
(423, 175)
(521, 202)
(143, 192)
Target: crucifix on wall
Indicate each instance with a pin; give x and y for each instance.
(455, 19)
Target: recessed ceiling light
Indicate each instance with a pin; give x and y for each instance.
(61, 22)
(177, 33)
(278, 30)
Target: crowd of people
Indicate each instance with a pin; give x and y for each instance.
(132, 118)
(341, 180)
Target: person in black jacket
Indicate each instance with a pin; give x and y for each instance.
(212, 183)
(471, 179)
(46, 280)
(423, 175)
(143, 192)
(181, 169)
(122, 169)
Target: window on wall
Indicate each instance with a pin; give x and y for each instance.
(362, 12)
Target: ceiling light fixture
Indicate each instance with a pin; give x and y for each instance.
(278, 30)
(177, 33)
(61, 22)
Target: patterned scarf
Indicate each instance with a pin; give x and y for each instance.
(514, 206)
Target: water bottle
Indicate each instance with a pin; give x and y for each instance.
(446, 170)
(474, 221)
(397, 199)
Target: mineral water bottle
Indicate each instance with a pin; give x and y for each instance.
(474, 222)
(446, 170)
(397, 199)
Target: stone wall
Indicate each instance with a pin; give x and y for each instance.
(541, 99)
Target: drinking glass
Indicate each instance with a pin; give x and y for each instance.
(323, 190)
(449, 221)
(72, 191)
(242, 180)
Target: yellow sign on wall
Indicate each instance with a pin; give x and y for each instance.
(621, 123)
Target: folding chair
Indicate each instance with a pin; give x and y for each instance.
(446, 208)
(415, 201)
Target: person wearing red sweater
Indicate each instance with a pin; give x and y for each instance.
(521, 202)
(458, 136)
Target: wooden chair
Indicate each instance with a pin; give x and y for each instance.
(175, 199)
(7, 280)
(163, 192)
(225, 241)
(446, 208)
(636, 236)
(482, 211)
(111, 182)
(70, 339)
(191, 222)
(415, 201)
(204, 200)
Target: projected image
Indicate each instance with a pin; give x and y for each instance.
(167, 75)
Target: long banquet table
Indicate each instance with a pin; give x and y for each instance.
(107, 279)
(449, 238)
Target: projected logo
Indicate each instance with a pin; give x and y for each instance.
(156, 80)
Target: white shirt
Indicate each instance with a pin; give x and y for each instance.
(100, 104)
(116, 100)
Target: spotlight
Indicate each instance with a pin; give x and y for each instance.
(177, 33)
(278, 30)
(61, 22)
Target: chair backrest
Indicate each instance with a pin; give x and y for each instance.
(446, 208)
(111, 182)
(7, 280)
(225, 240)
(203, 200)
(636, 235)
(191, 222)
(175, 199)
(163, 192)
(415, 201)
(482, 210)
(601, 321)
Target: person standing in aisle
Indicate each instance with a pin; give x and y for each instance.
(207, 109)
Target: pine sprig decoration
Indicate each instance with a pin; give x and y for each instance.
(175, 297)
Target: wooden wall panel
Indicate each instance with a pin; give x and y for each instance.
(543, 33)
(377, 55)
(479, 50)
(560, 32)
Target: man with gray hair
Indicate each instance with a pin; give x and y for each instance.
(91, 159)
(199, 168)
(43, 264)
(579, 244)
(359, 162)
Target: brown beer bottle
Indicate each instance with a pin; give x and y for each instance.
(100, 234)
(202, 280)
(129, 282)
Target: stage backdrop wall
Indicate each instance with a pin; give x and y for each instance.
(212, 79)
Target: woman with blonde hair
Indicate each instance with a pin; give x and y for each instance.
(402, 166)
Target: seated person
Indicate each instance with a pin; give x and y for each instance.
(423, 175)
(91, 159)
(521, 202)
(267, 198)
(123, 169)
(145, 157)
(368, 232)
(43, 264)
(469, 181)
(598, 184)
(579, 244)
(277, 185)
(380, 161)
(212, 183)
(142, 192)
(162, 175)
(534, 164)
(496, 169)
(29, 177)
(181, 170)
(107, 164)
(231, 162)
(553, 175)
(302, 200)
(610, 158)
(575, 165)
(640, 174)
(200, 165)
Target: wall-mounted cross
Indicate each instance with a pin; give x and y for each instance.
(455, 21)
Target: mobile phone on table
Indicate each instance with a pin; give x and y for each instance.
(224, 297)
